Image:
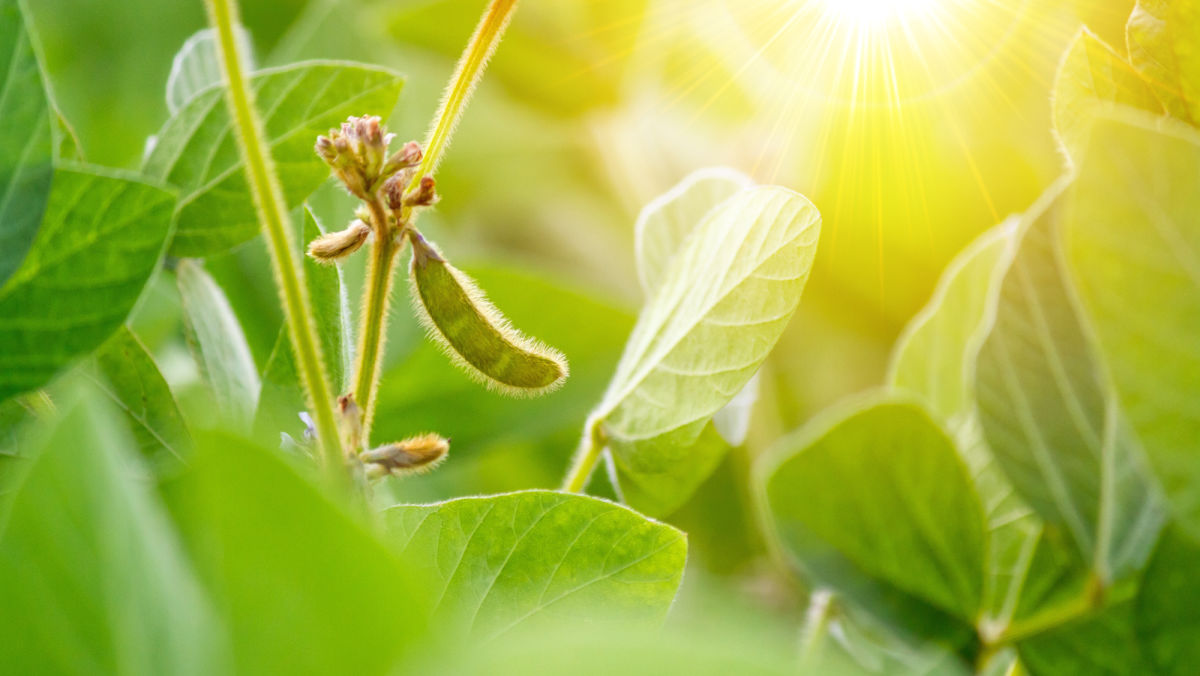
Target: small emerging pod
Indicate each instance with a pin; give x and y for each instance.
(474, 334)
(334, 246)
(415, 455)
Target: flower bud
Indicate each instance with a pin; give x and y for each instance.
(356, 151)
(414, 455)
(424, 195)
(334, 246)
(406, 158)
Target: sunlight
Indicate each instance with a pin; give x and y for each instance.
(877, 12)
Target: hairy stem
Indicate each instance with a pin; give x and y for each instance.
(467, 74)
(374, 321)
(585, 459)
(273, 214)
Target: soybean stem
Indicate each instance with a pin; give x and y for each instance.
(273, 215)
(375, 305)
(467, 73)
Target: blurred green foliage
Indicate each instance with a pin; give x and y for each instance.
(943, 531)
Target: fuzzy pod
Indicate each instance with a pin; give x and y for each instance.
(415, 455)
(334, 246)
(476, 336)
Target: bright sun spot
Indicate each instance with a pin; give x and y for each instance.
(876, 12)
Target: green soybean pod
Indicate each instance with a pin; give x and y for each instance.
(476, 336)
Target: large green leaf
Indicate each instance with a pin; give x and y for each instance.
(1133, 231)
(538, 558)
(26, 151)
(725, 299)
(303, 586)
(1164, 43)
(1091, 76)
(879, 506)
(92, 579)
(665, 223)
(197, 148)
(935, 359)
(282, 394)
(218, 345)
(100, 241)
(662, 228)
(131, 379)
(1167, 615)
(1050, 418)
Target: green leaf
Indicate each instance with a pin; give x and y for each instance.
(100, 242)
(725, 300)
(218, 345)
(665, 223)
(26, 151)
(282, 396)
(1050, 418)
(132, 381)
(91, 577)
(879, 506)
(659, 234)
(303, 587)
(935, 359)
(1133, 232)
(538, 558)
(1167, 615)
(197, 151)
(1092, 76)
(197, 67)
(1164, 44)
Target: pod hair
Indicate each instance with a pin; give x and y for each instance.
(473, 333)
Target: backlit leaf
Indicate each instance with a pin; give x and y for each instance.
(1092, 75)
(725, 300)
(1133, 232)
(1049, 416)
(935, 359)
(1164, 44)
